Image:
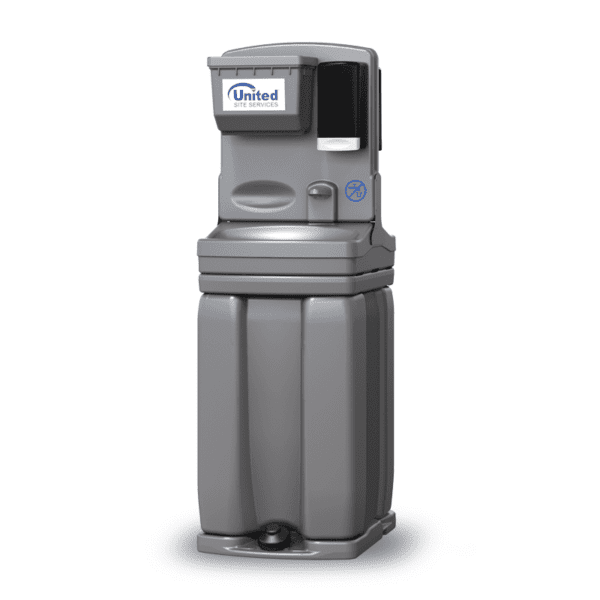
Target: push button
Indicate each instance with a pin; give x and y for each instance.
(322, 201)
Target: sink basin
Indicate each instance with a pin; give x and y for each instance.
(313, 232)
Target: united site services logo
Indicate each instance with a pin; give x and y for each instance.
(254, 94)
(239, 94)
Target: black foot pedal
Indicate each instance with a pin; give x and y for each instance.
(274, 537)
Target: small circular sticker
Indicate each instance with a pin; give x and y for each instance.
(356, 190)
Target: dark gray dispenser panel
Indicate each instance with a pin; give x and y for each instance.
(342, 106)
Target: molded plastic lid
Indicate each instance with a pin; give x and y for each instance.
(232, 62)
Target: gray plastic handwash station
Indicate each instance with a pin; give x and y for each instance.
(295, 324)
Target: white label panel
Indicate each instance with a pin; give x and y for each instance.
(253, 94)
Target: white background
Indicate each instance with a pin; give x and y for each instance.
(109, 157)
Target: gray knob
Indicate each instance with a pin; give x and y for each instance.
(322, 201)
(320, 190)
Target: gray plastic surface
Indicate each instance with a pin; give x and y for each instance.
(296, 71)
(295, 327)
(300, 549)
(294, 249)
(296, 400)
(260, 63)
(274, 188)
(295, 285)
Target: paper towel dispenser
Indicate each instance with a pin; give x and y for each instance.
(343, 108)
